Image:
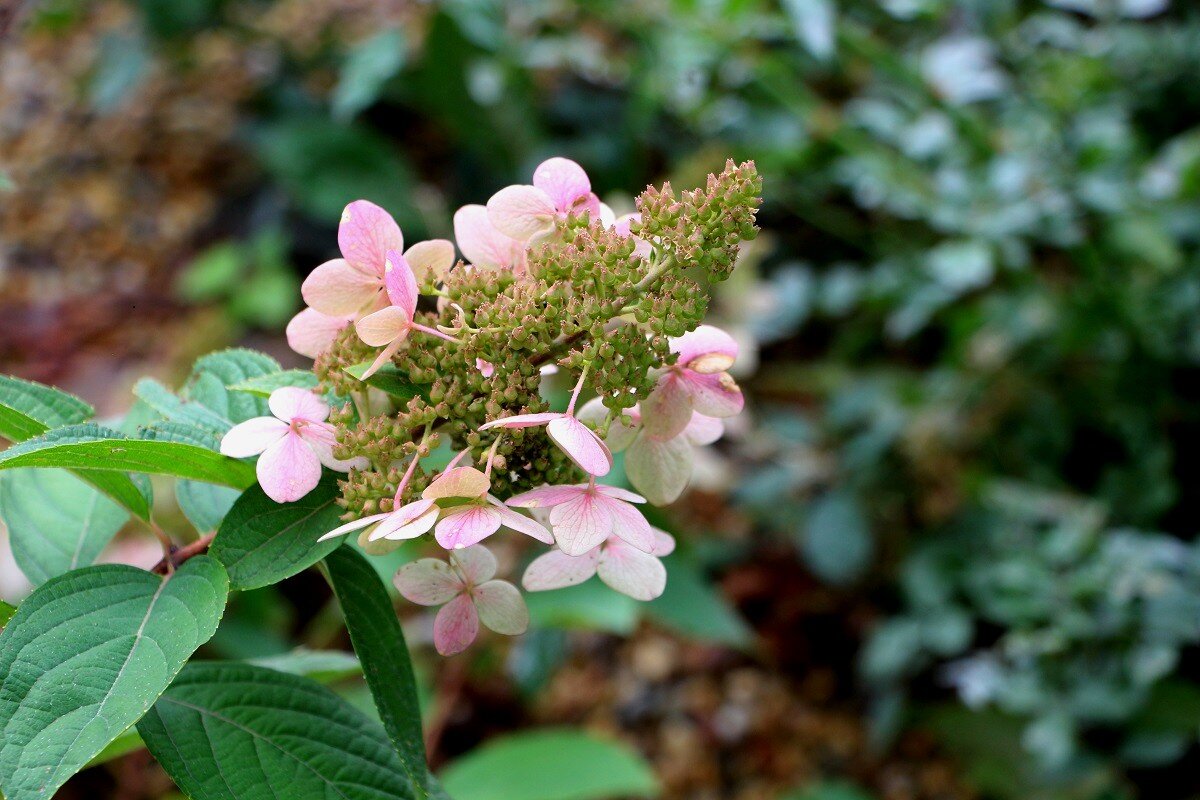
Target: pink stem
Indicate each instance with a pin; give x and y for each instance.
(578, 389)
(435, 332)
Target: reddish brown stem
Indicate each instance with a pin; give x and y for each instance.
(182, 554)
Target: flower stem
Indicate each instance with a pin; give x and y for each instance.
(434, 332)
(578, 387)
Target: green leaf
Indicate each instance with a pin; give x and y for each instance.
(213, 372)
(829, 790)
(554, 764)
(370, 64)
(388, 379)
(124, 744)
(836, 542)
(691, 606)
(89, 447)
(228, 731)
(379, 642)
(165, 402)
(263, 385)
(591, 606)
(6, 612)
(84, 657)
(203, 504)
(323, 666)
(55, 521)
(134, 492)
(262, 542)
(212, 273)
(28, 409)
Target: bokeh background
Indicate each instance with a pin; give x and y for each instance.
(948, 551)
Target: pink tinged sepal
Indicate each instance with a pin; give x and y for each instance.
(355, 525)
(547, 496)
(521, 212)
(631, 571)
(457, 482)
(582, 523)
(338, 289)
(401, 284)
(522, 421)
(565, 183)
(501, 607)
(629, 524)
(428, 582)
(664, 543)
(486, 368)
(715, 347)
(483, 245)
(384, 327)
(290, 403)
(557, 570)
(366, 234)
(310, 333)
(407, 522)
(253, 436)
(466, 525)
(431, 260)
(715, 395)
(668, 409)
(659, 469)
(703, 430)
(455, 626)
(475, 564)
(288, 469)
(582, 444)
(521, 524)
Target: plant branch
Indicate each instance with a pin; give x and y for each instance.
(178, 555)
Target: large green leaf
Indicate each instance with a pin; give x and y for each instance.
(558, 764)
(56, 522)
(229, 731)
(388, 379)
(204, 504)
(379, 642)
(263, 385)
(28, 409)
(211, 374)
(89, 447)
(86, 655)
(176, 409)
(262, 542)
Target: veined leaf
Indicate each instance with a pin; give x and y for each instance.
(558, 764)
(229, 731)
(322, 666)
(176, 409)
(56, 522)
(262, 542)
(379, 642)
(388, 379)
(90, 447)
(204, 504)
(28, 409)
(211, 374)
(263, 385)
(86, 655)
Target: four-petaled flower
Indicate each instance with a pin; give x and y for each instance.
(697, 381)
(584, 515)
(626, 569)
(560, 188)
(294, 443)
(468, 592)
(468, 514)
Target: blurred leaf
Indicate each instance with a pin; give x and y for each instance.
(692, 606)
(126, 743)
(323, 666)
(121, 67)
(814, 22)
(588, 606)
(212, 273)
(836, 542)
(213, 372)
(165, 402)
(830, 790)
(204, 504)
(263, 385)
(370, 65)
(549, 764)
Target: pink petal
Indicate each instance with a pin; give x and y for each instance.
(521, 212)
(385, 355)
(407, 522)
(582, 444)
(310, 332)
(629, 524)
(366, 234)
(401, 284)
(668, 409)
(483, 245)
(293, 403)
(501, 607)
(556, 570)
(702, 429)
(547, 496)
(632, 572)
(664, 543)
(466, 525)
(349, 527)
(714, 395)
(617, 493)
(288, 469)
(659, 469)
(476, 564)
(582, 523)
(622, 224)
(251, 437)
(456, 626)
(486, 368)
(431, 259)
(428, 582)
(338, 289)
(320, 436)
(457, 482)
(522, 421)
(521, 523)
(563, 181)
(706, 340)
(384, 326)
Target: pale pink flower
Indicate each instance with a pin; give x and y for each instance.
(483, 245)
(353, 284)
(560, 188)
(294, 443)
(584, 515)
(468, 592)
(389, 326)
(660, 469)
(468, 514)
(626, 569)
(311, 333)
(697, 381)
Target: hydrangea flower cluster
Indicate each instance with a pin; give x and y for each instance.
(551, 280)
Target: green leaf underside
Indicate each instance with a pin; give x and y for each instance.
(379, 642)
(204, 504)
(557, 764)
(323, 666)
(263, 385)
(215, 371)
(55, 521)
(262, 542)
(90, 447)
(86, 655)
(387, 379)
(176, 409)
(229, 731)
(29, 409)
